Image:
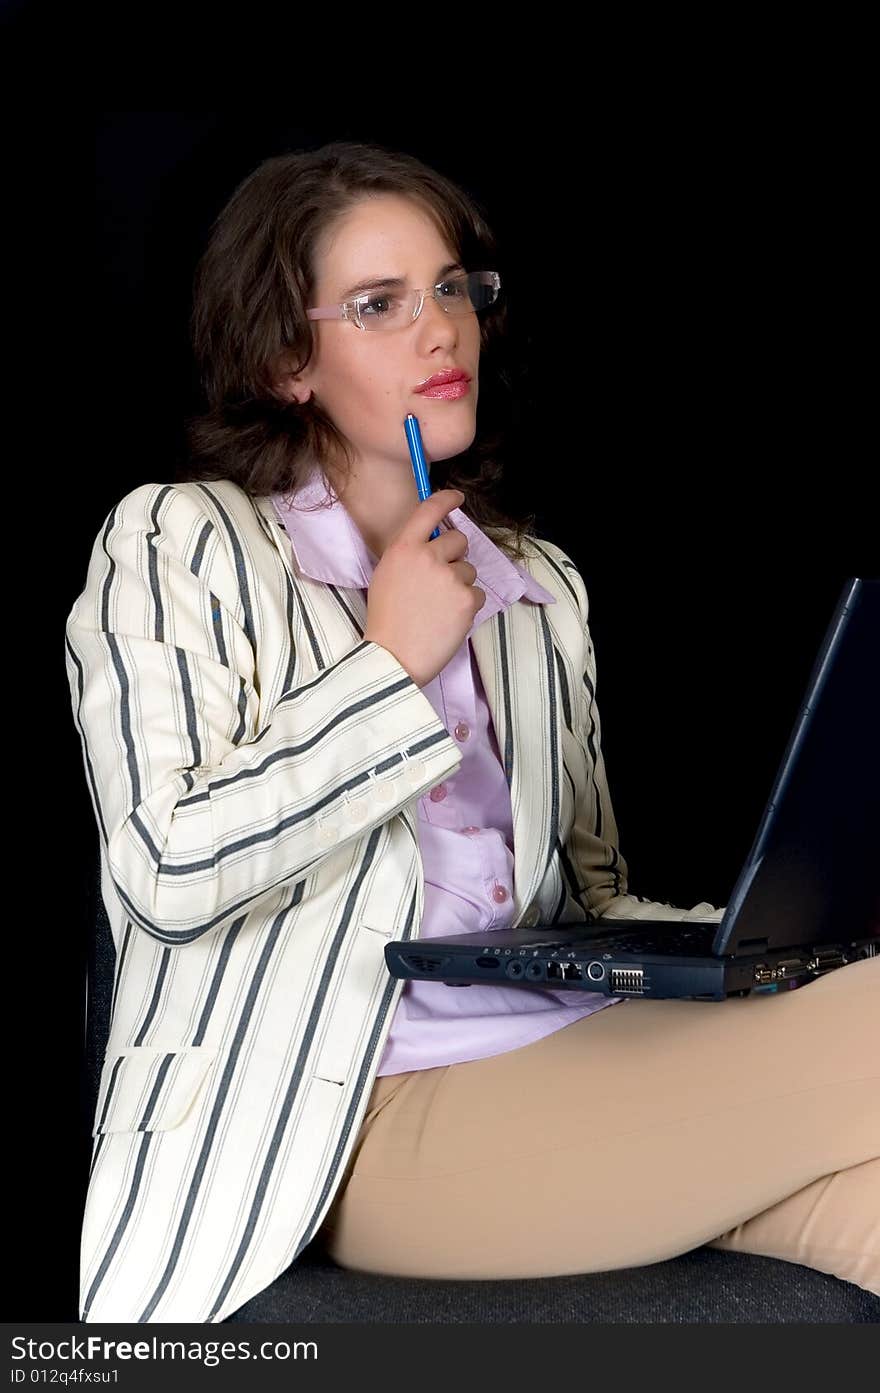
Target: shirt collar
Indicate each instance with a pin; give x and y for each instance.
(329, 547)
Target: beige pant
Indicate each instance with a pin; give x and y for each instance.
(629, 1136)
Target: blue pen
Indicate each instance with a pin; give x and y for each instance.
(417, 455)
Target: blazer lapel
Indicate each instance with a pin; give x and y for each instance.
(514, 653)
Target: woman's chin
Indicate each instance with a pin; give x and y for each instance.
(445, 443)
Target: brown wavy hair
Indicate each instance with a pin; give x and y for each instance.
(252, 286)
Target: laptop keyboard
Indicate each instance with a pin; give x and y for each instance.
(695, 938)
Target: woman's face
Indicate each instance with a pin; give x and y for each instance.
(365, 380)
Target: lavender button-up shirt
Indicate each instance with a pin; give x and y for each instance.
(465, 823)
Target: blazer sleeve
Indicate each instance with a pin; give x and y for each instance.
(593, 842)
(203, 802)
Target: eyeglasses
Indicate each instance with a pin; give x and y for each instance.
(379, 311)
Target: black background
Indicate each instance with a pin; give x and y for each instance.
(687, 297)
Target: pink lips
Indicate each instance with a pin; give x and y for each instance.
(448, 391)
(439, 379)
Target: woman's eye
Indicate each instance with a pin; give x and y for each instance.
(374, 305)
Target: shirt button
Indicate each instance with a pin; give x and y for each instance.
(499, 894)
(438, 794)
(470, 831)
(462, 731)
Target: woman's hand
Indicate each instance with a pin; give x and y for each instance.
(422, 600)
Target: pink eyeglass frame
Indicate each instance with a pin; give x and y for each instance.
(342, 310)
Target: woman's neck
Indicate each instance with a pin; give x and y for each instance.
(379, 500)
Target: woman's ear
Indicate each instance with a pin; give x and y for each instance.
(286, 384)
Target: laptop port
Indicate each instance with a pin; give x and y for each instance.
(627, 981)
(535, 970)
(555, 971)
(825, 959)
(787, 967)
(763, 973)
(515, 969)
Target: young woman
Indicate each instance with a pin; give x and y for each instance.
(310, 726)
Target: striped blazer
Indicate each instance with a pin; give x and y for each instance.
(254, 766)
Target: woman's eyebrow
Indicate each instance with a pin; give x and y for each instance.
(393, 280)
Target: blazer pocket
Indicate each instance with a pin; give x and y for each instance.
(147, 1088)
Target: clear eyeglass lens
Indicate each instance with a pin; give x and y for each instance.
(462, 294)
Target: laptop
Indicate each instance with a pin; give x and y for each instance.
(807, 900)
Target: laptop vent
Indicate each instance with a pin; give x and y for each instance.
(422, 963)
